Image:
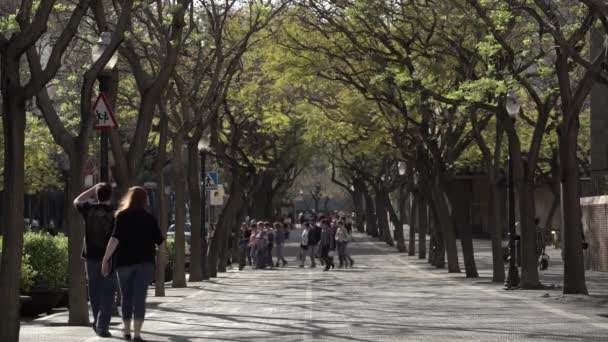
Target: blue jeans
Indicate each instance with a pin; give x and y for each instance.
(134, 281)
(101, 293)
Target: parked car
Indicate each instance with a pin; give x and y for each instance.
(187, 235)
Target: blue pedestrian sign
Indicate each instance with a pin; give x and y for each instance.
(211, 180)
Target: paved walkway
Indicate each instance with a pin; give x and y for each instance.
(386, 297)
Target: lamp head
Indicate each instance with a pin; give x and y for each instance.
(98, 49)
(512, 104)
(401, 167)
(203, 144)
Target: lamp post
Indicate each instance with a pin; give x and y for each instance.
(513, 106)
(203, 148)
(105, 79)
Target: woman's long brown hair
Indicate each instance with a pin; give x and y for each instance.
(135, 198)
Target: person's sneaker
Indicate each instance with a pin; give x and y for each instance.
(284, 263)
(301, 266)
(127, 337)
(138, 339)
(104, 334)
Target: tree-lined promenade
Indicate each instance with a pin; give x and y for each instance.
(417, 303)
(392, 100)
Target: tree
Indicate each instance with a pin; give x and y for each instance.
(24, 29)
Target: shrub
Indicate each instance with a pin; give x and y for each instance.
(48, 256)
(27, 272)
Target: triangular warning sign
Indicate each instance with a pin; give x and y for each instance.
(104, 116)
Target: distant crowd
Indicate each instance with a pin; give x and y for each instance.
(320, 239)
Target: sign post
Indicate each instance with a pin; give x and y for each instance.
(104, 114)
(105, 120)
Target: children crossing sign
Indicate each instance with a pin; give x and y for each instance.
(103, 113)
(211, 180)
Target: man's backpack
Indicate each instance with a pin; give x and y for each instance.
(99, 225)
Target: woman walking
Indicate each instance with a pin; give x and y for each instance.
(133, 248)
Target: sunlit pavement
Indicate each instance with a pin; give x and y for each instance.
(385, 297)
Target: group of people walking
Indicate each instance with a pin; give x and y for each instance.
(119, 249)
(321, 238)
(257, 241)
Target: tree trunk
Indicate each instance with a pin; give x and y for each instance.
(213, 254)
(468, 253)
(229, 219)
(447, 228)
(398, 222)
(179, 186)
(13, 121)
(415, 222)
(196, 271)
(465, 233)
(423, 221)
(370, 216)
(529, 263)
(438, 247)
(381, 213)
(161, 257)
(498, 265)
(574, 263)
(79, 310)
(359, 205)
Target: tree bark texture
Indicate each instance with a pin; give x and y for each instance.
(464, 230)
(574, 263)
(415, 222)
(438, 246)
(359, 201)
(163, 219)
(422, 224)
(371, 227)
(447, 228)
(179, 186)
(194, 193)
(78, 313)
(398, 223)
(496, 229)
(13, 121)
(381, 213)
(228, 220)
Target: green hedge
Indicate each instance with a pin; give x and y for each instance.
(49, 258)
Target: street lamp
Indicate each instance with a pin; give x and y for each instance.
(105, 79)
(203, 148)
(401, 168)
(513, 106)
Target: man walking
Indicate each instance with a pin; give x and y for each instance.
(95, 207)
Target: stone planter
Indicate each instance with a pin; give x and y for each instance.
(63, 303)
(41, 301)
